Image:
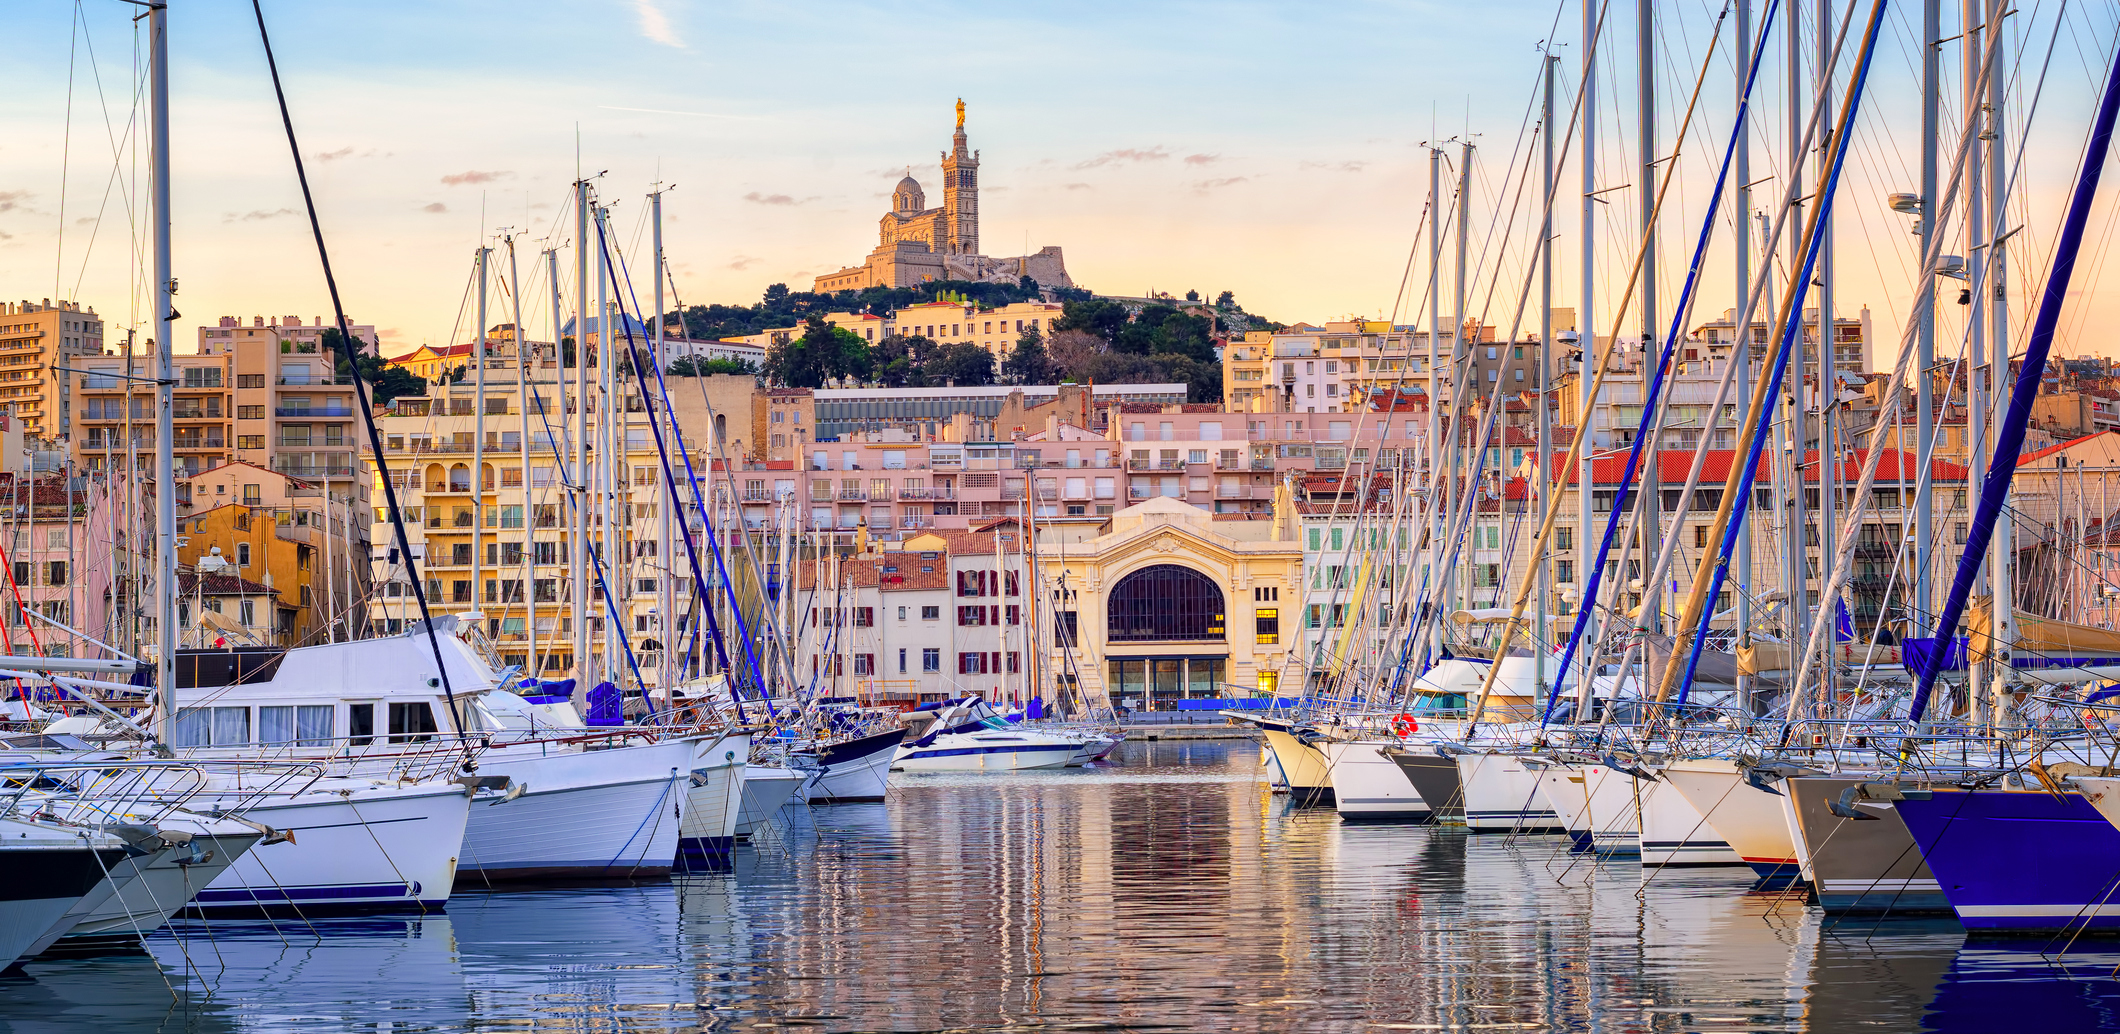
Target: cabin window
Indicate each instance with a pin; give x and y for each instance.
(306, 726)
(360, 724)
(212, 726)
(411, 722)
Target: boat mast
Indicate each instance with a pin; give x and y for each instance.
(1436, 471)
(2003, 548)
(1978, 375)
(1796, 562)
(522, 411)
(1741, 336)
(609, 415)
(578, 540)
(478, 436)
(1460, 351)
(1586, 346)
(1828, 365)
(672, 507)
(165, 291)
(1651, 526)
(1545, 366)
(1922, 610)
(557, 443)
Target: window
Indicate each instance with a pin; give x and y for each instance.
(864, 664)
(971, 664)
(1564, 538)
(55, 572)
(410, 723)
(1165, 602)
(968, 616)
(212, 726)
(243, 555)
(305, 726)
(250, 412)
(901, 661)
(864, 617)
(250, 441)
(1268, 625)
(1266, 594)
(250, 380)
(931, 660)
(1065, 633)
(931, 613)
(1564, 570)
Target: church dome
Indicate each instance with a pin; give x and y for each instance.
(908, 185)
(908, 197)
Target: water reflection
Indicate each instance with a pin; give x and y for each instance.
(1167, 892)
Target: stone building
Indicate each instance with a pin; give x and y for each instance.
(917, 244)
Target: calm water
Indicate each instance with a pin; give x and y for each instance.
(1167, 892)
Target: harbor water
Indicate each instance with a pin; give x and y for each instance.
(1167, 891)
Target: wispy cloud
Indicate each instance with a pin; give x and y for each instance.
(1126, 155)
(1076, 186)
(655, 23)
(332, 156)
(757, 198)
(458, 179)
(694, 114)
(1203, 186)
(436, 208)
(743, 262)
(1203, 159)
(256, 215)
(1355, 166)
(11, 198)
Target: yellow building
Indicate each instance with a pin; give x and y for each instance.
(1169, 603)
(428, 362)
(279, 548)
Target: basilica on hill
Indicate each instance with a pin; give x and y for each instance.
(917, 243)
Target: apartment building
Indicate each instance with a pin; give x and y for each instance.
(37, 340)
(1851, 340)
(504, 552)
(1336, 367)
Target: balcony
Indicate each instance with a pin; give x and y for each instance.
(315, 382)
(315, 470)
(305, 412)
(1140, 491)
(1170, 465)
(181, 413)
(916, 523)
(757, 495)
(183, 443)
(311, 443)
(853, 495)
(913, 493)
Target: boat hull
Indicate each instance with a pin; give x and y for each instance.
(1857, 867)
(1596, 805)
(378, 849)
(143, 892)
(765, 792)
(713, 804)
(582, 814)
(39, 884)
(1303, 767)
(1367, 786)
(1501, 795)
(1747, 818)
(1674, 834)
(855, 771)
(1435, 778)
(2017, 861)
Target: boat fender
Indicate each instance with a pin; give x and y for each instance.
(1404, 725)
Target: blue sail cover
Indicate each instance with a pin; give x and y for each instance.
(605, 706)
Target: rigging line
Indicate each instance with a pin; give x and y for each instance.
(348, 350)
(117, 154)
(66, 153)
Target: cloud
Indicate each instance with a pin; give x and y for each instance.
(474, 176)
(742, 262)
(1203, 159)
(1077, 186)
(330, 156)
(1126, 154)
(84, 220)
(1337, 166)
(436, 207)
(256, 215)
(655, 23)
(757, 198)
(10, 198)
(1203, 186)
(699, 114)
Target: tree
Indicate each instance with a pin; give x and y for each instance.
(963, 363)
(694, 366)
(1028, 362)
(776, 294)
(821, 353)
(1070, 352)
(385, 382)
(1192, 295)
(1226, 300)
(1100, 317)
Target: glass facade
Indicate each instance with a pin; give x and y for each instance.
(1158, 683)
(1165, 603)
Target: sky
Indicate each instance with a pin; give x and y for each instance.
(1270, 149)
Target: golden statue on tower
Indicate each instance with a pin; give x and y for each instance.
(960, 113)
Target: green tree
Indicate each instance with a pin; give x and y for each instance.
(1027, 362)
(1192, 295)
(385, 382)
(694, 366)
(822, 352)
(1226, 300)
(1099, 317)
(963, 363)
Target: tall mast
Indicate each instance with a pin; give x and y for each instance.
(522, 413)
(1796, 585)
(1459, 352)
(672, 508)
(1978, 374)
(1651, 534)
(1436, 470)
(1545, 362)
(1923, 608)
(478, 437)
(1828, 357)
(1586, 343)
(558, 443)
(611, 414)
(165, 291)
(1741, 336)
(578, 520)
(2003, 547)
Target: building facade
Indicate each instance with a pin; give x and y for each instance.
(36, 341)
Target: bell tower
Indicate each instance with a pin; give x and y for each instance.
(960, 193)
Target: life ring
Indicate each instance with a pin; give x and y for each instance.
(1403, 726)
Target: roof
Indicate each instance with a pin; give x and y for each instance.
(2050, 450)
(439, 351)
(221, 585)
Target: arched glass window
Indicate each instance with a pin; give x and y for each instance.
(1165, 603)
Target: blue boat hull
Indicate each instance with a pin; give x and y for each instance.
(2020, 861)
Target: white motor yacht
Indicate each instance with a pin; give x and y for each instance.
(969, 736)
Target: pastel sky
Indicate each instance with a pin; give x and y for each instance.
(1270, 149)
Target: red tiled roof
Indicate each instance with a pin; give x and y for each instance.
(2052, 449)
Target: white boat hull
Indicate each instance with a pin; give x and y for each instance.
(1749, 819)
(853, 772)
(1675, 835)
(375, 849)
(985, 752)
(1303, 767)
(765, 791)
(1502, 795)
(713, 807)
(582, 814)
(143, 892)
(1369, 787)
(1595, 805)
